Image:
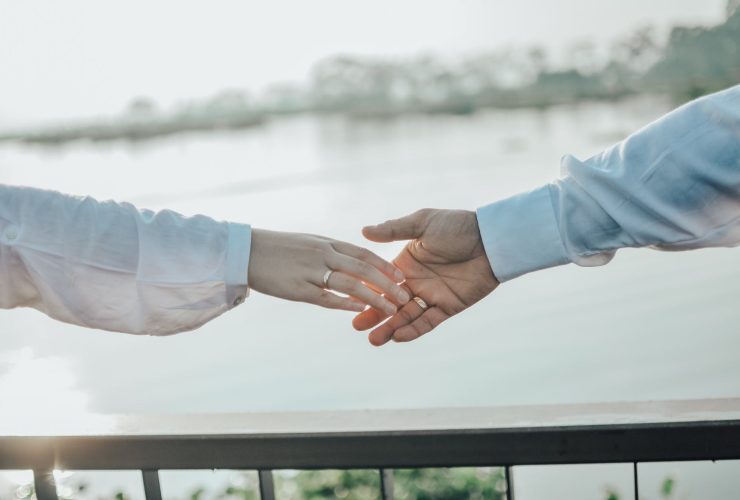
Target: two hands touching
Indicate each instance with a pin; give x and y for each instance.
(443, 268)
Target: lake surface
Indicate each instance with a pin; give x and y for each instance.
(649, 325)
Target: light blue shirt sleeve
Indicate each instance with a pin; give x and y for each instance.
(674, 185)
(111, 266)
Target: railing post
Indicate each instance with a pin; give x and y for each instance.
(636, 481)
(267, 485)
(386, 484)
(152, 490)
(44, 485)
(509, 482)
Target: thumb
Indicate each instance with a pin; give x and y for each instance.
(405, 228)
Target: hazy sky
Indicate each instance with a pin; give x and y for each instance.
(81, 57)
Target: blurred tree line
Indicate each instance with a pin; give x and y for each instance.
(692, 61)
(470, 483)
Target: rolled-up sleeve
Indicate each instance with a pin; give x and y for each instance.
(674, 185)
(110, 266)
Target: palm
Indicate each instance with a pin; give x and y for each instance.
(446, 266)
(449, 278)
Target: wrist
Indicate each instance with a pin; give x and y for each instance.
(258, 265)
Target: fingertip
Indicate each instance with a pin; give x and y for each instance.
(368, 318)
(404, 334)
(358, 323)
(377, 340)
(374, 233)
(380, 335)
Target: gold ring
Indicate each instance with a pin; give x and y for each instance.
(420, 302)
(327, 274)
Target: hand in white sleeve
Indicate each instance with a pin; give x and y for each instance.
(110, 266)
(674, 185)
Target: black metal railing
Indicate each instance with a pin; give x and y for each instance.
(381, 440)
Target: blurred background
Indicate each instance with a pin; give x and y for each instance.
(328, 115)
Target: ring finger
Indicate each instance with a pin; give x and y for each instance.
(405, 316)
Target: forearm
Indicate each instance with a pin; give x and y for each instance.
(110, 266)
(674, 185)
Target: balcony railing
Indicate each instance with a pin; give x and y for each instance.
(378, 439)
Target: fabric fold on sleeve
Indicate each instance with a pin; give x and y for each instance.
(672, 185)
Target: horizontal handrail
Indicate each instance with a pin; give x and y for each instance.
(590, 433)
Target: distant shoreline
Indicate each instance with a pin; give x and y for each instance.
(129, 130)
(695, 61)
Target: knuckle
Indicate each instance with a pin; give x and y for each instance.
(406, 314)
(422, 325)
(354, 286)
(364, 267)
(379, 302)
(326, 298)
(362, 255)
(358, 289)
(404, 334)
(367, 254)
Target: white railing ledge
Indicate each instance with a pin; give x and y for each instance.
(373, 421)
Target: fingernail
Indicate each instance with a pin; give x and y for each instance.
(399, 276)
(403, 296)
(390, 308)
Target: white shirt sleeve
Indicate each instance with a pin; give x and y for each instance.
(674, 185)
(110, 266)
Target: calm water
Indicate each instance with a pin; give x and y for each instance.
(649, 325)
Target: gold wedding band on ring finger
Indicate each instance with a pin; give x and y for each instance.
(420, 302)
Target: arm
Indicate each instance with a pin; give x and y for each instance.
(111, 266)
(673, 185)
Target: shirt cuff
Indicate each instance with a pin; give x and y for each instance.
(520, 234)
(237, 263)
